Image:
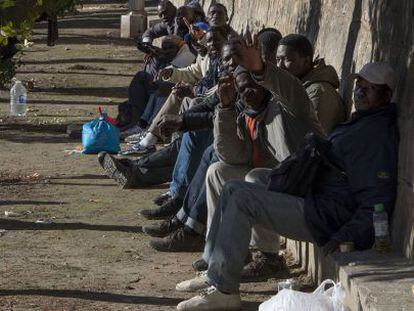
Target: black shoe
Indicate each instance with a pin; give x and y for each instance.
(164, 228)
(168, 209)
(162, 198)
(115, 170)
(182, 240)
(263, 267)
(200, 265)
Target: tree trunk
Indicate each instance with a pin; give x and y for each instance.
(52, 30)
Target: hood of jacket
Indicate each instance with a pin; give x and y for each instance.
(321, 73)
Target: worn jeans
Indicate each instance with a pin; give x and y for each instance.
(155, 168)
(192, 148)
(217, 176)
(194, 210)
(242, 206)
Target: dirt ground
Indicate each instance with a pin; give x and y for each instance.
(90, 254)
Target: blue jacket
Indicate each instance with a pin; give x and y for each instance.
(366, 149)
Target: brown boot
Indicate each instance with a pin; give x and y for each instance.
(263, 267)
(182, 240)
(164, 228)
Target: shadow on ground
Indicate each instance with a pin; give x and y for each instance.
(106, 297)
(96, 296)
(11, 224)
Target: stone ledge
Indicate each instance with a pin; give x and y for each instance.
(376, 282)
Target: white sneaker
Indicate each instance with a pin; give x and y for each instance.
(131, 131)
(211, 299)
(194, 285)
(135, 138)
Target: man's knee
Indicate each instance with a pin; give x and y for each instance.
(213, 171)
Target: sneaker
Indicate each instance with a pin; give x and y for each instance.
(131, 131)
(135, 138)
(162, 198)
(115, 170)
(137, 150)
(200, 265)
(211, 299)
(168, 209)
(194, 285)
(263, 267)
(164, 228)
(182, 240)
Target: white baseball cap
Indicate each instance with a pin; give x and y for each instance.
(378, 73)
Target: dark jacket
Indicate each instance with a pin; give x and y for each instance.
(162, 29)
(201, 116)
(366, 149)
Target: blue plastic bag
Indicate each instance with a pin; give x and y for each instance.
(100, 135)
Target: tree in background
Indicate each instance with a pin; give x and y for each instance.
(17, 19)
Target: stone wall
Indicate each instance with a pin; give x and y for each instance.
(348, 34)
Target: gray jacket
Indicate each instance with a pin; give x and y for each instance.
(296, 101)
(279, 133)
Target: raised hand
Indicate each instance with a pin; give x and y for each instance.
(182, 89)
(227, 91)
(249, 54)
(195, 33)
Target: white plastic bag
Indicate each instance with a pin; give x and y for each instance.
(320, 300)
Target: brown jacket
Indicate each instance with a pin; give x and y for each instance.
(296, 101)
(321, 84)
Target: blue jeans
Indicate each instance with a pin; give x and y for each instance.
(154, 105)
(244, 205)
(194, 211)
(192, 147)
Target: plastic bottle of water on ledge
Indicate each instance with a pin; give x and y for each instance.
(382, 231)
(18, 99)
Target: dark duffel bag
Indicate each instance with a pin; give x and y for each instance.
(296, 174)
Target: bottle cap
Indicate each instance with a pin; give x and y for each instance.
(379, 207)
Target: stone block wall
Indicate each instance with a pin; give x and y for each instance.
(348, 34)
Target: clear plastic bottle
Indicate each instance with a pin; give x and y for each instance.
(18, 98)
(381, 227)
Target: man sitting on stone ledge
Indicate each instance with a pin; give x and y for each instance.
(341, 205)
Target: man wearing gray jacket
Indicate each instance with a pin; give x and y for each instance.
(310, 89)
(299, 117)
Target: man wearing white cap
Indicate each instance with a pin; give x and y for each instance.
(340, 208)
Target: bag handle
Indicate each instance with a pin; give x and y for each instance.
(321, 289)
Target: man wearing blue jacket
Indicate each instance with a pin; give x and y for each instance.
(341, 205)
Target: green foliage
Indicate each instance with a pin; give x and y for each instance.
(17, 19)
(7, 72)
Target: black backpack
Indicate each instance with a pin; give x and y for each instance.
(296, 174)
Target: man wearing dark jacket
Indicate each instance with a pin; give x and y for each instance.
(339, 209)
(167, 12)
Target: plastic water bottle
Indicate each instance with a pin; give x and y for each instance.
(18, 98)
(381, 227)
